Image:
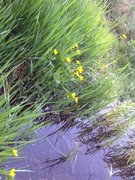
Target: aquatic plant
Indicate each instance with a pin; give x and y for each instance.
(45, 39)
(122, 158)
(16, 123)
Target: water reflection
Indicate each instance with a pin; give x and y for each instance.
(72, 150)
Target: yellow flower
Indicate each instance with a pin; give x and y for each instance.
(76, 99)
(15, 152)
(75, 45)
(73, 95)
(77, 73)
(12, 172)
(124, 36)
(56, 52)
(81, 78)
(78, 62)
(80, 69)
(68, 59)
(78, 52)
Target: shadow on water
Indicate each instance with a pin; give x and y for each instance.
(72, 150)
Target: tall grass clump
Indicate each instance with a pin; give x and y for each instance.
(61, 48)
(16, 123)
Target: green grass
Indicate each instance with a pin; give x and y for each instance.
(33, 76)
(32, 32)
(121, 14)
(15, 126)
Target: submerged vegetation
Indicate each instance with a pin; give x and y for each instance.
(58, 56)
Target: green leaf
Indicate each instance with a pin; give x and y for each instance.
(57, 77)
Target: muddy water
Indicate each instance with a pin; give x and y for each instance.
(60, 156)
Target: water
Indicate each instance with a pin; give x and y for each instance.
(41, 154)
(70, 149)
